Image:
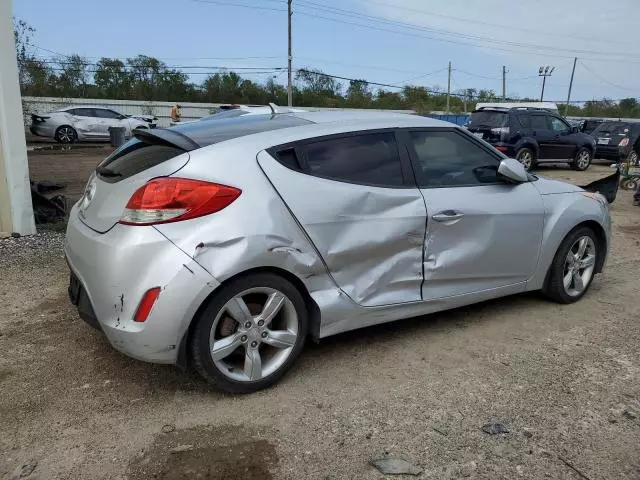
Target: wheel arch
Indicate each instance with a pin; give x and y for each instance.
(531, 144)
(602, 246)
(313, 311)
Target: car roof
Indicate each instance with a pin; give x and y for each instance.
(73, 107)
(193, 135)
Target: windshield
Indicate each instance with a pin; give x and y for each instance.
(489, 119)
(612, 129)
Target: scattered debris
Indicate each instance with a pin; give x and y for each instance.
(181, 448)
(395, 466)
(24, 470)
(15, 235)
(437, 430)
(572, 467)
(168, 428)
(630, 414)
(494, 428)
(527, 433)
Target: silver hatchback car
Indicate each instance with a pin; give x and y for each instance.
(224, 244)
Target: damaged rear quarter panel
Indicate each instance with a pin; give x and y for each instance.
(255, 231)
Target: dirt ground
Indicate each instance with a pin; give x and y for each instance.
(564, 380)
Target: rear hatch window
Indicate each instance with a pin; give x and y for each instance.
(488, 119)
(611, 133)
(491, 126)
(134, 157)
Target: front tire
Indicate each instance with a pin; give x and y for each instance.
(582, 160)
(629, 184)
(66, 134)
(573, 267)
(527, 158)
(250, 333)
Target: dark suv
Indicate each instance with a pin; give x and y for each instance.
(615, 140)
(533, 136)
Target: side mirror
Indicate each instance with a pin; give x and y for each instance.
(512, 171)
(575, 129)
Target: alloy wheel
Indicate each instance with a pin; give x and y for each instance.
(526, 158)
(66, 134)
(253, 334)
(583, 160)
(579, 266)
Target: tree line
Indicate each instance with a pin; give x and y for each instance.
(148, 78)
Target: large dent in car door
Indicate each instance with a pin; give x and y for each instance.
(371, 238)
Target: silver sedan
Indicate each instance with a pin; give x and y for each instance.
(225, 244)
(79, 123)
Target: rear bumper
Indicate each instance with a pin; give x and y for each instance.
(116, 268)
(42, 130)
(608, 152)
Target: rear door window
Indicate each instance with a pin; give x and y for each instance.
(370, 159)
(539, 122)
(524, 121)
(85, 112)
(134, 157)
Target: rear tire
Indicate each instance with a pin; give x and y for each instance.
(66, 134)
(582, 160)
(527, 158)
(573, 266)
(250, 333)
(629, 184)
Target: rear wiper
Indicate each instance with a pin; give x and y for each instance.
(105, 172)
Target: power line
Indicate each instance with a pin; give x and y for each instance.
(425, 75)
(376, 19)
(605, 80)
(227, 4)
(480, 22)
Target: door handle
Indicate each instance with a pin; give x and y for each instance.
(447, 216)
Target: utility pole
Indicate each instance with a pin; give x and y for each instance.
(289, 84)
(449, 89)
(504, 83)
(544, 72)
(573, 72)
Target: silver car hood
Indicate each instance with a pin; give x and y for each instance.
(548, 186)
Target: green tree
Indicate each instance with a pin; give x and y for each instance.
(112, 79)
(359, 94)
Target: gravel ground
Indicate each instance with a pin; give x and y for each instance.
(563, 380)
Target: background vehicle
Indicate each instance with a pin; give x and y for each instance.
(589, 125)
(234, 110)
(532, 136)
(615, 140)
(79, 123)
(228, 241)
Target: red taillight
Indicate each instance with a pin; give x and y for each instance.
(164, 200)
(502, 148)
(146, 304)
(624, 142)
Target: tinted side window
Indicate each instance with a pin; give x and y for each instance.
(85, 112)
(448, 159)
(539, 122)
(525, 121)
(103, 113)
(371, 159)
(558, 125)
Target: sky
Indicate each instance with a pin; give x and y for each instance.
(386, 41)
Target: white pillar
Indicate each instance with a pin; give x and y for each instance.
(16, 211)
